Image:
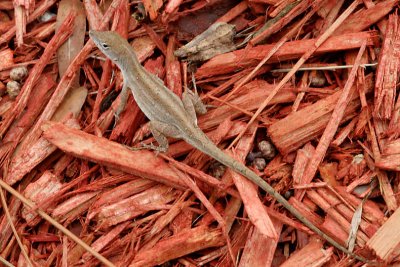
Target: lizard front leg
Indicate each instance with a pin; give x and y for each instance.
(160, 131)
(123, 99)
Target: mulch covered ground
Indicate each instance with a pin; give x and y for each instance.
(303, 92)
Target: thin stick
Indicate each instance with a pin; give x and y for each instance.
(5, 262)
(56, 224)
(7, 212)
(333, 68)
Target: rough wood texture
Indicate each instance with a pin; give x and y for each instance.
(386, 241)
(300, 127)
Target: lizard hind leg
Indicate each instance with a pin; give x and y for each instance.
(160, 132)
(192, 104)
(196, 100)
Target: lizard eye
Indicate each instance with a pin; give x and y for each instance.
(105, 46)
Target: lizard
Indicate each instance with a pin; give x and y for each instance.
(172, 116)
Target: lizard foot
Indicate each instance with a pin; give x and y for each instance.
(153, 147)
(142, 146)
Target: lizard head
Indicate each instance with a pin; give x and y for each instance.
(110, 43)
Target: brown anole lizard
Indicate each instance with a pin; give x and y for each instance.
(171, 116)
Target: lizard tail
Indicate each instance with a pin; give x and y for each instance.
(205, 145)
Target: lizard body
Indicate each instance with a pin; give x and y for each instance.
(171, 116)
